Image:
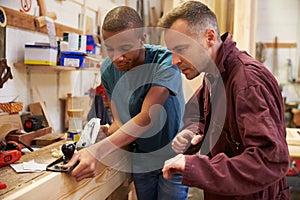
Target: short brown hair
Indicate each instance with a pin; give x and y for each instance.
(198, 15)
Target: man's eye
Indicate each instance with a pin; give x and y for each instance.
(109, 49)
(125, 48)
(179, 50)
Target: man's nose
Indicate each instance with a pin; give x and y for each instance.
(176, 59)
(117, 56)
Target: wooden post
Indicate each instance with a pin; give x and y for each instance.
(245, 25)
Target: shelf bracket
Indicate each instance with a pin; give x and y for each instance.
(28, 81)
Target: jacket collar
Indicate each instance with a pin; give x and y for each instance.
(224, 51)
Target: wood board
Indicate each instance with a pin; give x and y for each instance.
(27, 138)
(293, 141)
(26, 21)
(13, 119)
(55, 185)
(48, 139)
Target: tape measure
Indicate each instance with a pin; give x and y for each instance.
(3, 18)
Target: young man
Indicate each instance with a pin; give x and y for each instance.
(146, 98)
(246, 156)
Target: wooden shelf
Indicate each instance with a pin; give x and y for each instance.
(53, 68)
(280, 45)
(26, 21)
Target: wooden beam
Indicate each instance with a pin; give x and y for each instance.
(25, 21)
(280, 45)
(244, 25)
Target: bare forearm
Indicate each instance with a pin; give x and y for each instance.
(123, 136)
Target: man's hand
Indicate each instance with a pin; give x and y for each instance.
(173, 165)
(184, 139)
(104, 129)
(87, 165)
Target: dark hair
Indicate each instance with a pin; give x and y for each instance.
(121, 18)
(198, 15)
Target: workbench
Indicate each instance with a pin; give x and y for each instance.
(293, 141)
(57, 185)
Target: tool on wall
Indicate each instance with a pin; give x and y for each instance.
(5, 72)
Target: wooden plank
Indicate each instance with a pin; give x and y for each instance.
(244, 25)
(293, 141)
(25, 21)
(13, 119)
(20, 19)
(43, 106)
(48, 68)
(294, 151)
(55, 185)
(2, 42)
(27, 138)
(280, 45)
(43, 8)
(121, 191)
(48, 139)
(35, 108)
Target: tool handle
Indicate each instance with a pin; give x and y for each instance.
(2, 185)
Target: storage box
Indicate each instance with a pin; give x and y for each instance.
(71, 58)
(40, 54)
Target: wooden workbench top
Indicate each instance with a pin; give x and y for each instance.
(293, 141)
(56, 185)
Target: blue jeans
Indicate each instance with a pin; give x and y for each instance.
(152, 186)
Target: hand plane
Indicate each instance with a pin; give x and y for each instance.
(87, 138)
(68, 150)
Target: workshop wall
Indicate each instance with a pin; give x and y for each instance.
(281, 19)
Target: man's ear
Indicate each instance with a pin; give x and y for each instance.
(211, 37)
(143, 38)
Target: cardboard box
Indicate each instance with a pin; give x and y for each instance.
(71, 58)
(40, 54)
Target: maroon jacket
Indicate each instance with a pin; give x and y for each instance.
(248, 157)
